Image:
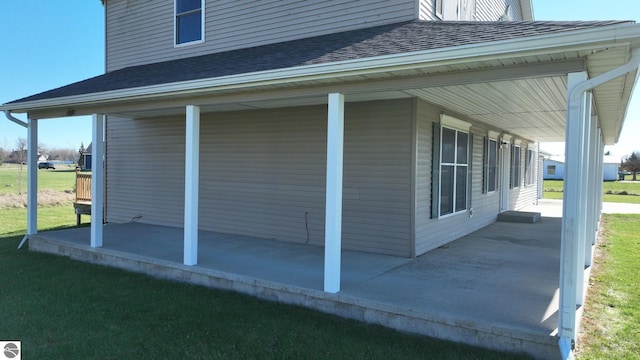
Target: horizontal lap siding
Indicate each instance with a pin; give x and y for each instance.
(140, 32)
(263, 174)
(432, 233)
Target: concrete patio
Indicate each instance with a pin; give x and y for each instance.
(495, 288)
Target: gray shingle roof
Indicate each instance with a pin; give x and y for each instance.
(356, 44)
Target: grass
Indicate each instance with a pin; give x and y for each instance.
(55, 187)
(614, 191)
(61, 179)
(60, 308)
(612, 313)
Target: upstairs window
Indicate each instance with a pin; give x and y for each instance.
(189, 21)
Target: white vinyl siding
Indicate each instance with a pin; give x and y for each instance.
(262, 174)
(141, 32)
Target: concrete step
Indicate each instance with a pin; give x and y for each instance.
(519, 217)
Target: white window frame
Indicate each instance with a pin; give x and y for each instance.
(175, 25)
(459, 126)
(438, 8)
(529, 167)
(493, 136)
(516, 166)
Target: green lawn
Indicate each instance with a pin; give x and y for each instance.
(612, 191)
(61, 179)
(612, 314)
(60, 308)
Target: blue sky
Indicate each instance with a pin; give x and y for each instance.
(46, 44)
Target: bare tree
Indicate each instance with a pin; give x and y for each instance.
(81, 152)
(632, 164)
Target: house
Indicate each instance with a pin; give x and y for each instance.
(363, 125)
(87, 157)
(554, 168)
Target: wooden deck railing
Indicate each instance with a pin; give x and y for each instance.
(83, 187)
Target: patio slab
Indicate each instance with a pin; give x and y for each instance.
(495, 288)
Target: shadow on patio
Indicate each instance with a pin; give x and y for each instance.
(496, 287)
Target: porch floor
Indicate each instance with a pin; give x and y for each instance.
(496, 287)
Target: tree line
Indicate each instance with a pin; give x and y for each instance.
(18, 153)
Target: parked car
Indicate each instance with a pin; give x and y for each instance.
(46, 165)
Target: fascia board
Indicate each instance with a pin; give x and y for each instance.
(615, 35)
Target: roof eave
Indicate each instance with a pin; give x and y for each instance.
(627, 34)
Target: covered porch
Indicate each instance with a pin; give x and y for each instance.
(496, 287)
(523, 82)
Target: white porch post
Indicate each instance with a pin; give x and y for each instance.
(333, 211)
(599, 189)
(97, 180)
(570, 261)
(583, 199)
(593, 180)
(191, 185)
(32, 178)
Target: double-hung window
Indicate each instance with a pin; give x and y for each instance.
(491, 166)
(515, 166)
(189, 21)
(529, 167)
(451, 188)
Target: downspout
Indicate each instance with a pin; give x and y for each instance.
(567, 344)
(7, 113)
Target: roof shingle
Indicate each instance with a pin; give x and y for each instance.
(405, 37)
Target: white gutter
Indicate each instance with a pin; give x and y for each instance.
(7, 113)
(631, 65)
(618, 35)
(566, 343)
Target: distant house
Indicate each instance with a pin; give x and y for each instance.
(87, 158)
(553, 168)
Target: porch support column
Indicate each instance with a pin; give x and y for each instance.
(593, 180)
(333, 211)
(600, 190)
(570, 260)
(97, 180)
(191, 185)
(584, 172)
(32, 180)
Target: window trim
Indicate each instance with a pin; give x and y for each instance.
(493, 136)
(529, 167)
(438, 8)
(176, 44)
(516, 166)
(458, 126)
